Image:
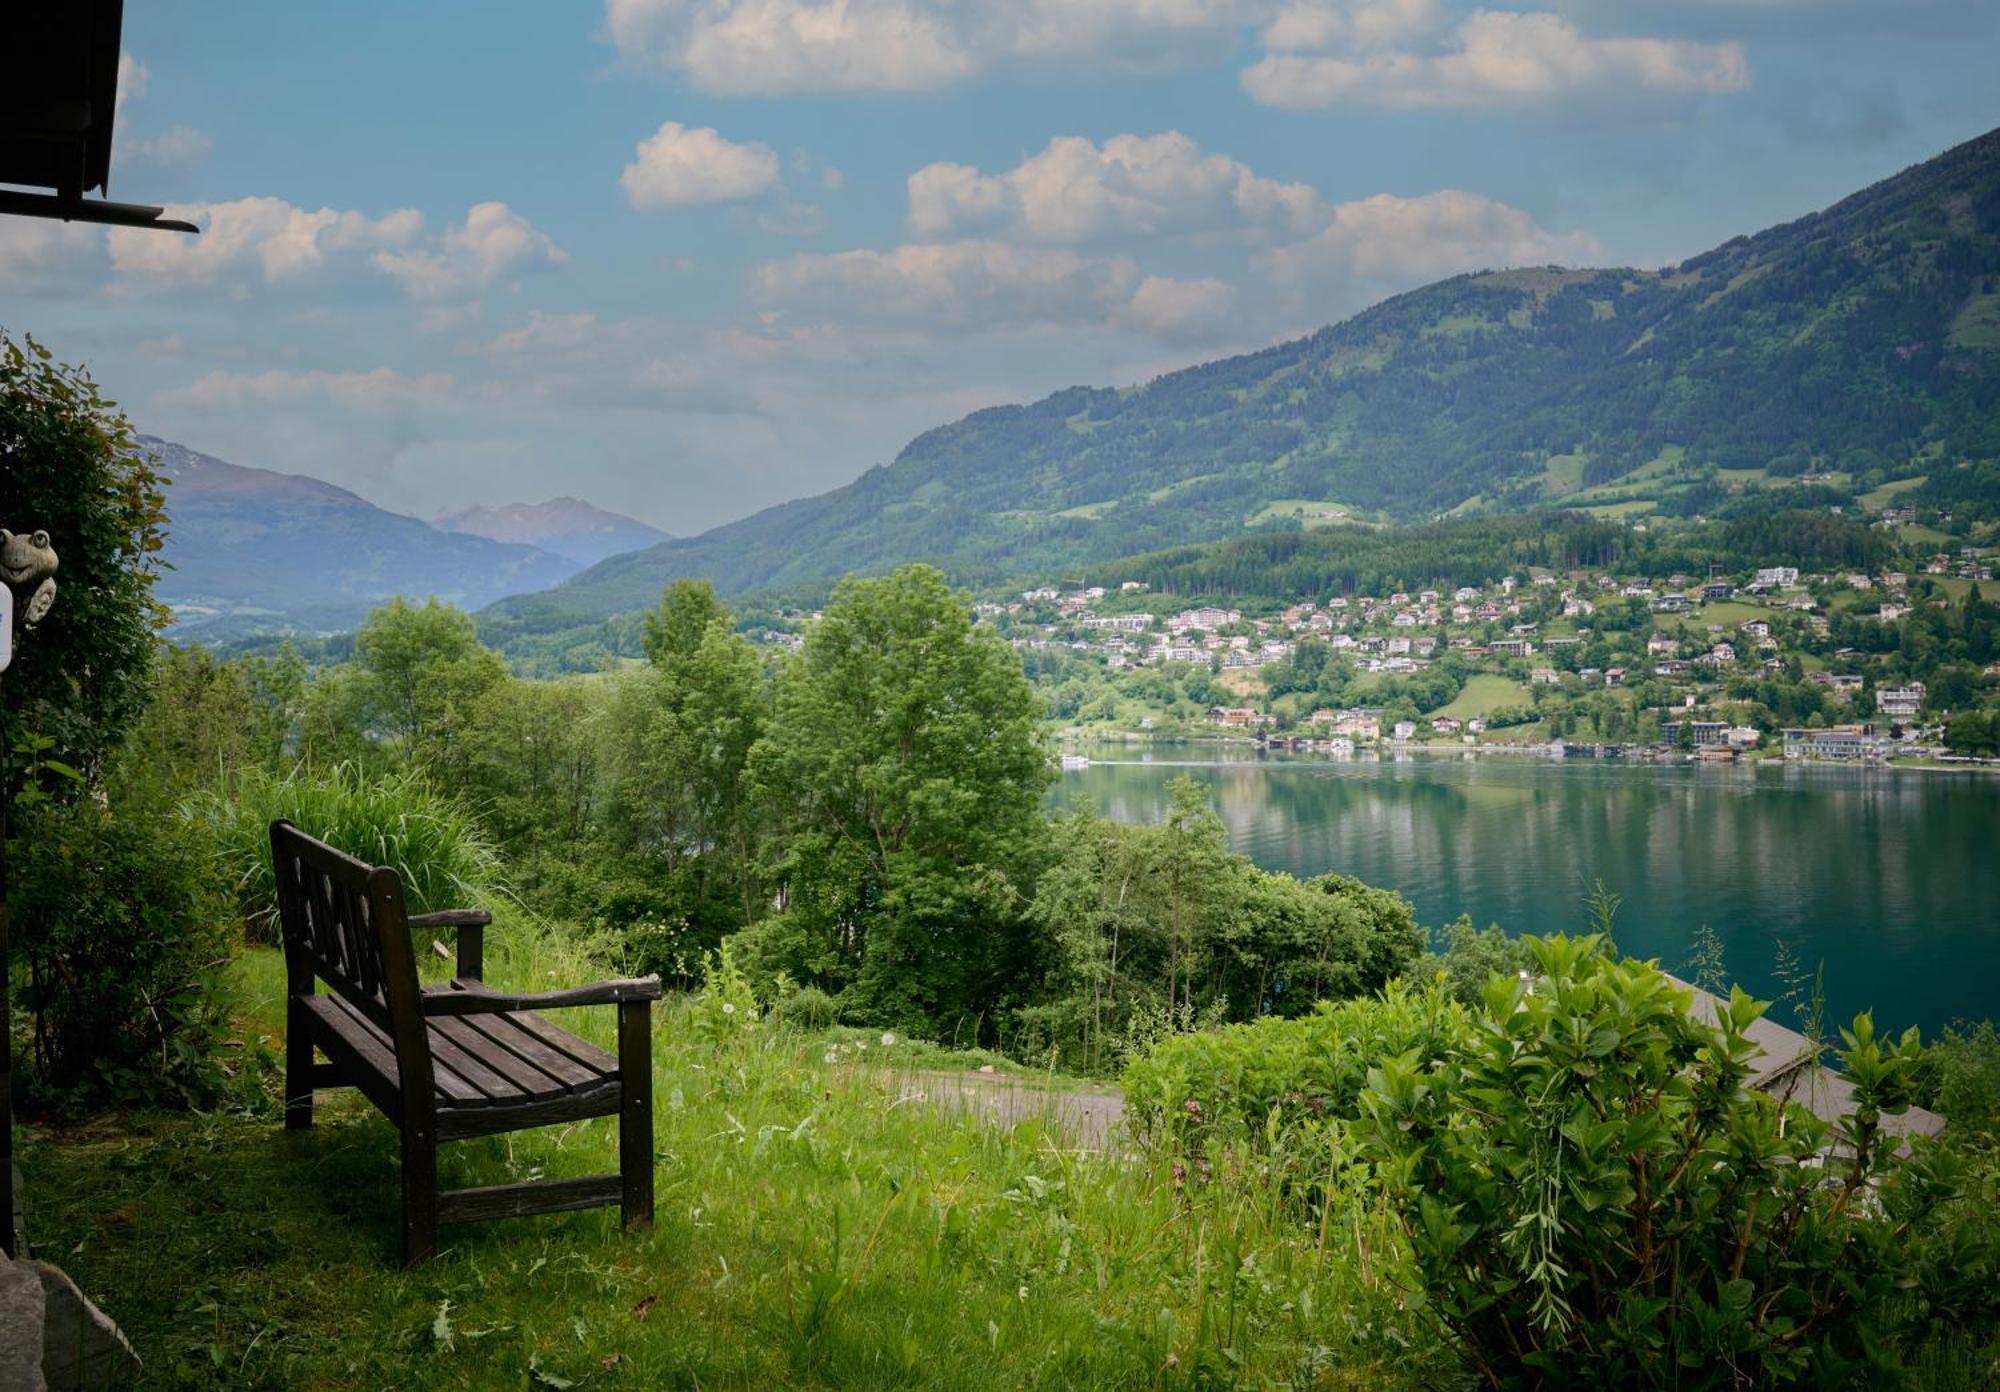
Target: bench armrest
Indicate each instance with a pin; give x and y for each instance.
(471, 926)
(476, 998)
(452, 918)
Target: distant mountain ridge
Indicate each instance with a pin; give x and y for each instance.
(566, 527)
(255, 551)
(1868, 333)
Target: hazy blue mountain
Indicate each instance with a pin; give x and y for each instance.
(252, 551)
(1865, 338)
(566, 527)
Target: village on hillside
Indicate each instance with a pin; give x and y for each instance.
(1766, 663)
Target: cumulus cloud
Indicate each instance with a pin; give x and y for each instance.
(1179, 311)
(1392, 238)
(33, 249)
(1132, 185)
(493, 244)
(275, 238)
(177, 147)
(771, 47)
(376, 391)
(682, 166)
(1492, 60)
(958, 284)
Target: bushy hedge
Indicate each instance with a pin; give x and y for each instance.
(126, 937)
(1278, 1072)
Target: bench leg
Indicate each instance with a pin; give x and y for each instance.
(298, 1066)
(420, 1195)
(635, 1116)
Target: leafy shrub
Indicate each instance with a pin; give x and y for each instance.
(808, 1008)
(126, 938)
(1592, 1197)
(69, 466)
(1963, 1080)
(1305, 1071)
(397, 820)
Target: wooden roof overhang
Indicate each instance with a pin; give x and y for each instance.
(58, 101)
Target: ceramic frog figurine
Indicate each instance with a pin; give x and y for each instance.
(28, 564)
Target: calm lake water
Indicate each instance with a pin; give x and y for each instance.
(1891, 879)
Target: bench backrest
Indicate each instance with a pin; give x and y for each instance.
(344, 922)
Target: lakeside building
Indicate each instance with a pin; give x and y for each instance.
(1842, 742)
(1900, 702)
(1705, 732)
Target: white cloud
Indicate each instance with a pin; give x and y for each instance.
(177, 147)
(1403, 239)
(1179, 311)
(681, 166)
(493, 244)
(33, 248)
(377, 391)
(281, 241)
(953, 284)
(770, 47)
(1491, 60)
(1077, 191)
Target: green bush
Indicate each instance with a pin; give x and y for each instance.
(126, 938)
(1275, 1073)
(1593, 1198)
(808, 1008)
(398, 821)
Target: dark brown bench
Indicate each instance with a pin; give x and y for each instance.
(454, 1060)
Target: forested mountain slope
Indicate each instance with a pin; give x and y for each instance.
(253, 551)
(1864, 336)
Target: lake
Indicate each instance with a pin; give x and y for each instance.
(1890, 878)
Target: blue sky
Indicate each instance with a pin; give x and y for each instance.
(689, 258)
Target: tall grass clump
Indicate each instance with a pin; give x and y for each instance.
(398, 820)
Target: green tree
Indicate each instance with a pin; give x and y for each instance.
(904, 768)
(69, 466)
(422, 670)
(676, 748)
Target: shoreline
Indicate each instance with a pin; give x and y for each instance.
(1128, 746)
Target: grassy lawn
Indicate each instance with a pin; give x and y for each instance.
(1877, 499)
(1485, 693)
(1312, 512)
(819, 1225)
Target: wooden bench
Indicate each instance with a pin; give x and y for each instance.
(450, 1061)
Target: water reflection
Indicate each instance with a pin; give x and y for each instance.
(1892, 879)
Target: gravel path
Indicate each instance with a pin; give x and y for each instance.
(1093, 1118)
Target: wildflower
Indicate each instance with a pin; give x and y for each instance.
(729, 1007)
(1023, 1292)
(888, 1040)
(832, 1057)
(1193, 1110)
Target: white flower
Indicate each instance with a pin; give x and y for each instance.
(729, 1007)
(832, 1057)
(1023, 1292)
(888, 1040)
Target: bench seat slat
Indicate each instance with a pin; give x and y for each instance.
(505, 1032)
(474, 1068)
(561, 1040)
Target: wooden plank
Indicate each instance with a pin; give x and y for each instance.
(377, 1054)
(587, 1054)
(448, 1056)
(505, 1031)
(459, 1123)
(519, 1200)
(530, 1080)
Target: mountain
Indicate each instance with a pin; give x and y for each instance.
(1865, 339)
(254, 551)
(566, 527)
